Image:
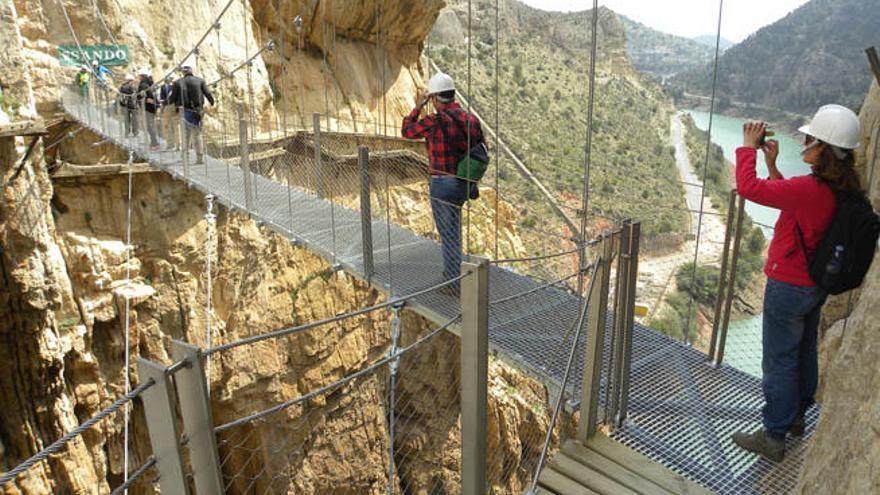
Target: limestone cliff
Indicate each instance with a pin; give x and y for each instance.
(845, 453)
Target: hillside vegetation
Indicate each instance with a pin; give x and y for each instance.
(543, 61)
(661, 54)
(811, 57)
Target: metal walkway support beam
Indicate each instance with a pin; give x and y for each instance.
(244, 163)
(598, 306)
(162, 425)
(474, 374)
(195, 407)
(366, 212)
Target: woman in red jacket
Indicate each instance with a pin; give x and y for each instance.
(792, 301)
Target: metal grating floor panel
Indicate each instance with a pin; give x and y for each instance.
(682, 410)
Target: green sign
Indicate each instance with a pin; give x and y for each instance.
(104, 54)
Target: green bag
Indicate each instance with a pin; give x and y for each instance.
(473, 166)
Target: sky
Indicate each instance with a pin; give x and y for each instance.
(689, 18)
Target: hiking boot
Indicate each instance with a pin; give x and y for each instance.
(798, 427)
(762, 444)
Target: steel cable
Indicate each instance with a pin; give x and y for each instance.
(57, 445)
(365, 371)
(135, 476)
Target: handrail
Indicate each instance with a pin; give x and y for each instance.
(364, 371)
(79, 430)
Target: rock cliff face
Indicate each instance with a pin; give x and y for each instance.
(845, 453)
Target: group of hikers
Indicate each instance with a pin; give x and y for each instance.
(139, 96)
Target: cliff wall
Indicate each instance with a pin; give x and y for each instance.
(844, 456)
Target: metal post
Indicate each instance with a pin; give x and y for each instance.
(725, 254)
(366, 212)
(626, 362)
(737, 238)
(474, 374)
(184, 141)
(195, 407)
(161, 423)
(319, 180)
(244, 163)
(623, 302)
(595, 344)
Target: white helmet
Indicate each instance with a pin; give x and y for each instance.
(144, 71)
(188, 65)
(83, 67)
(439, 83)
(129, 77)
(95, 63)
(836, 125)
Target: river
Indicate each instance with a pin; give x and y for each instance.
(743, 349)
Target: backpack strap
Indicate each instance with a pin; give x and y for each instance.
(802, 242)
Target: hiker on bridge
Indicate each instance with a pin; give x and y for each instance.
(793, 298)
(190, 92)
(102, 73)
(127, 101)
(449, 133)
(81, 81)
(169, 120)
(148, 97)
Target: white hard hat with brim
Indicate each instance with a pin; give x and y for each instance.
(836, 125)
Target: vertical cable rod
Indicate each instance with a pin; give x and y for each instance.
(588, 147)
(126, 438)
(691, 308)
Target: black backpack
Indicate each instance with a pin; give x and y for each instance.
(844, 254)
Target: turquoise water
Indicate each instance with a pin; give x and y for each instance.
(743, 348)
(727, 133)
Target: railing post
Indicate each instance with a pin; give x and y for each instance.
(474, 374)
(162, 426)
(195, 407)
(244, 162)
(319, 180)
(622, 301)
(731, 279)
(626, 363)
(725, 255)
(366, 212)
(598, 300)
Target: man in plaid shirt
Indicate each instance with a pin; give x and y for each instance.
(449, 135)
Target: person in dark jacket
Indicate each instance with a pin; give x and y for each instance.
(449, 133)
(190, 92)
(146, 94)
(170, 120)
(127, 101)
(792, 300)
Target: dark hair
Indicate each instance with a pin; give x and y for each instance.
(447, 95)
(839, 174)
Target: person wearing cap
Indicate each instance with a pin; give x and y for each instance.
(792, 301)
(190, 92)
(148, 97)
(128, 103)
(82, 81)
(449, 133)
(168, 118)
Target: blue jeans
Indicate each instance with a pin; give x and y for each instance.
(790, 363)
(448, 193)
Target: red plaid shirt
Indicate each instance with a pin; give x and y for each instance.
(444, 154)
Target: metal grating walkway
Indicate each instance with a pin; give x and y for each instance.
(682, 411)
